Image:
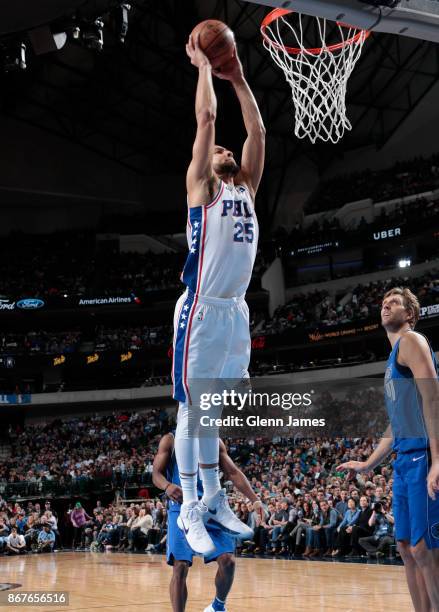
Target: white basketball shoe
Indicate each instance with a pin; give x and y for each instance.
(219, 511)
(211, 609)
(191, 522)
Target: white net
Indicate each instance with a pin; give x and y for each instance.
(318, 77)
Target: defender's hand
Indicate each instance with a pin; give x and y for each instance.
(195, 53)
(174, 492)
(433, 481)
(353, 467)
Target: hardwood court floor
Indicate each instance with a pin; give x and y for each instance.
(106, 582)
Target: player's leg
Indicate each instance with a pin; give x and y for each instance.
(188, 355)
(223, 582)
(179, 556)
(415, 579)
(225, 546)
(424, 519)
(178, 586)
(213, 333)
(186, 444)
(422, 515)
(235, 324)
(427, 561)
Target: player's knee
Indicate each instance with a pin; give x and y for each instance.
(404, 550)
(421, 554)
(227, 563)
(180, 570)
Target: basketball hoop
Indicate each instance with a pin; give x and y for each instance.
(317, 76)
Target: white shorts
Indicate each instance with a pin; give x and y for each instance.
(211, 341)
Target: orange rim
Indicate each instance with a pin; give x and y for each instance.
(279, 12)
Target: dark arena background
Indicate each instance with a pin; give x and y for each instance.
(97, 123)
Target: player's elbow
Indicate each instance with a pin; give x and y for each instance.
(259, 131)
(155, 476)
(206, 116)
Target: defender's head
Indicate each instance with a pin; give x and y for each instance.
(399, 308)
(224, 162)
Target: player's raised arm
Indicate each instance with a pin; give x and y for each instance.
(253, 152)
(239, 479)
(200, 175)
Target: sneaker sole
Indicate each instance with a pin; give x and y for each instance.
(206, 553)
(236, 534)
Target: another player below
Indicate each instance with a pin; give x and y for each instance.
(166, 477)
(412, 400)
(211, 320)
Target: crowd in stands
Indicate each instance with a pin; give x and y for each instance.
(402, 179)
(121, 527)
(318, 309)
(81, 452)
(311, 310)
(311, 508)
(31, 528)
(408, 215)
(63, 265)
(67, 264)
(27, 527)
(55, 343)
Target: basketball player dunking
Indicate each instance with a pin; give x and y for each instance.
(178, 554)
(412, 401)
(211, 320)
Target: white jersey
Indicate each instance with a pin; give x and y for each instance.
(223, 240)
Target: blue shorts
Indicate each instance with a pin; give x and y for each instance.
(416, 514)
(177, 547)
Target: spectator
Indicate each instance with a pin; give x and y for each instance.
(139, 527)
(15, 543)
(278, 521)
(105, 536)
(46, 539)
(303, 521)
(328, 524)
(313, 543)
(4, 533)
(344, 530)
(382, 521)
(361, 528)
(79, 519)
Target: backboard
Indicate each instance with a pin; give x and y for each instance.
(414, 18)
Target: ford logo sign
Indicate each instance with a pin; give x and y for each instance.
(30, 304)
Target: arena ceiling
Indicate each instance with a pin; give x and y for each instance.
(134, 102)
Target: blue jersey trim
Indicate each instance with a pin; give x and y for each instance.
(180, 342)
(190, 270)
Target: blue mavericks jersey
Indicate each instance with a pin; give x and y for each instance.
(404, 405)
(173, 475)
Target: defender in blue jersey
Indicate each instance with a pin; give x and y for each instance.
(178, 552)
(412, 399)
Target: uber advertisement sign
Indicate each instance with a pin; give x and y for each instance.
(387, 233)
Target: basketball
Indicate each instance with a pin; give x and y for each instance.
(216, 40)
